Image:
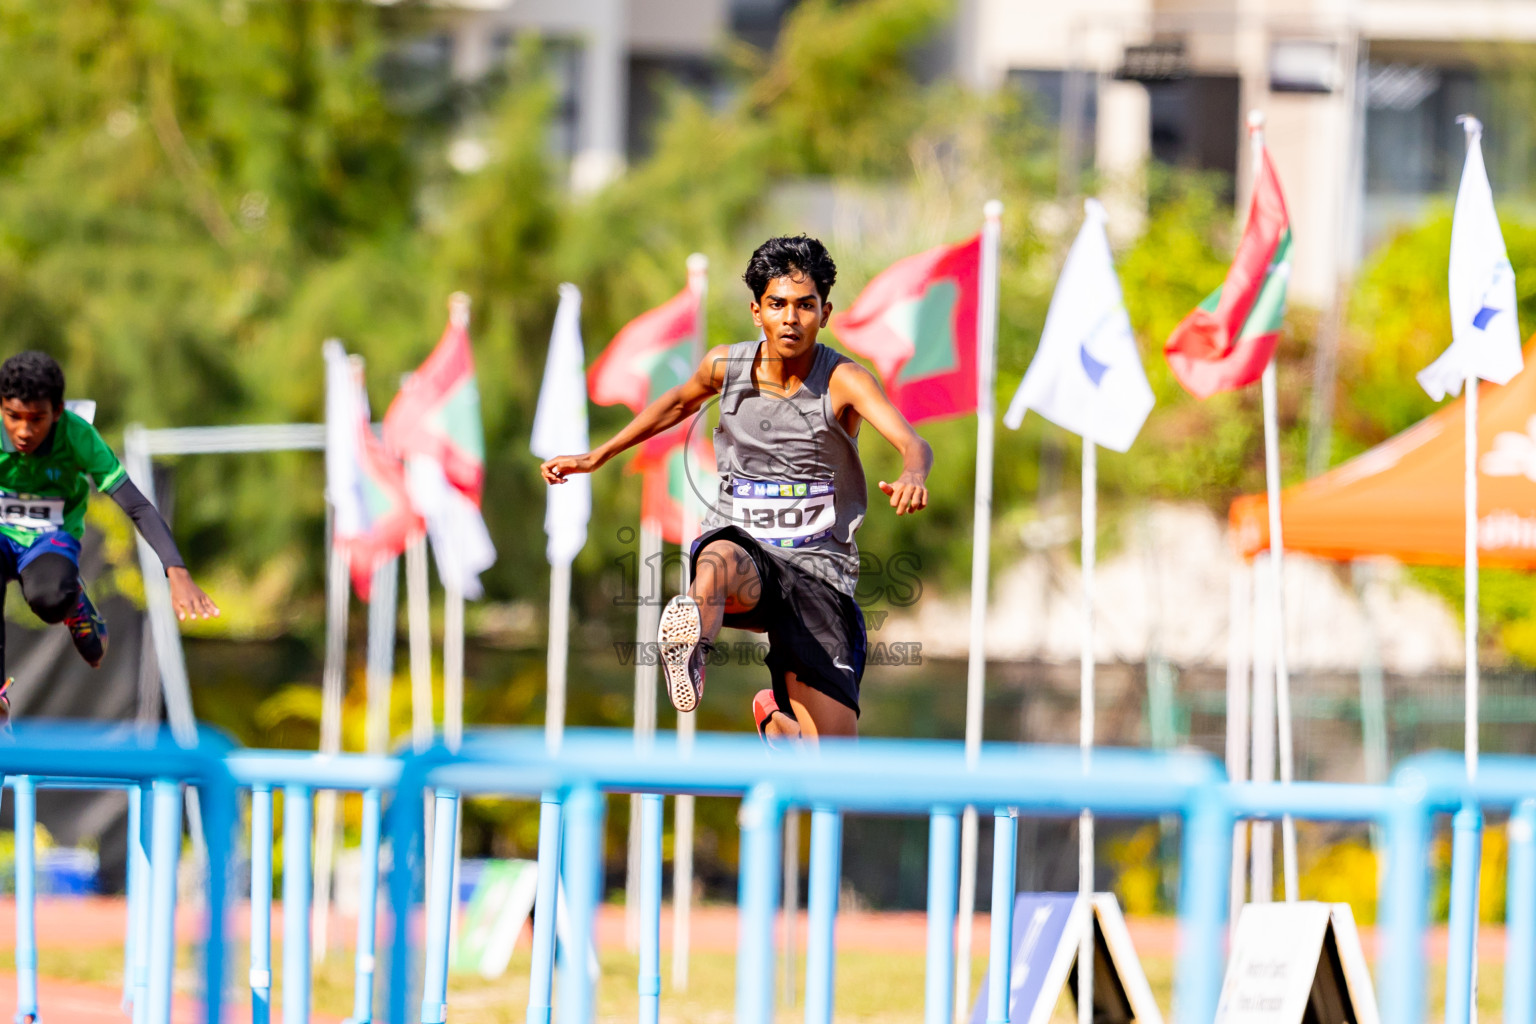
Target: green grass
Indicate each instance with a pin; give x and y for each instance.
(872, 988)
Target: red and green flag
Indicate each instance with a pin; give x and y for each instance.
(670, 472)
(651, 353)
(437, 412)
(434, 426)
(373, 519)
(916, 321)
(1226, 342)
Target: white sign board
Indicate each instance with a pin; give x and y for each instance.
(1047, 930)
(1287, 956)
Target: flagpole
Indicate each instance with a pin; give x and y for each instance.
(682, 825)
(1085, 947)
(981, 528)
(380, 671)
(647, 615)
(453, 672)
(1276, 555)
(418, 614)
(332, 690)
(1470, 610)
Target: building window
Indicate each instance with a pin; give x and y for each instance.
(1195, 123)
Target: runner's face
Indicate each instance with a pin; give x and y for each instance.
(27, 423)
(790, 313)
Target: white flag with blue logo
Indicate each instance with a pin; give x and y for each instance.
(1485, 325)
(1086, 375)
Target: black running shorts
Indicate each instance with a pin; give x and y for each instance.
(814, 630)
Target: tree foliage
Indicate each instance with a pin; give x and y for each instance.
(194, 195)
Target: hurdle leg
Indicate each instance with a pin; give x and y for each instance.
(583, 870)
(1404, 894)
(821, 909)
(1005, 855)
(261, 904)
(298, 832)
(164, 855)
(761, 816)
(1520, 917)
(367, 909)
(434, 986)
(650, 907)
(1461, 956)
(26, 899)
(138, 922)
(135, 885)
(1205, 861)
(943, 879)
(546, 898)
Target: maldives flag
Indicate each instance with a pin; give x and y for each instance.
(671, 474)
(1226, 342)
(916, 321)
(651, 353)
(434, 426)
(437, 412)
(372, 516)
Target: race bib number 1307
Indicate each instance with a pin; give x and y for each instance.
(785, 513)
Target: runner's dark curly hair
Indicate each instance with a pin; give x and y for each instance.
(32, 377)
(789, 255)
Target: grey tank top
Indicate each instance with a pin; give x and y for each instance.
(790, 475)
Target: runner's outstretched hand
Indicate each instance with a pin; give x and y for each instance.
(907, 494)
(188, 598)
(558, 468)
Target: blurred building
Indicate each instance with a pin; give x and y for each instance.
(612, 58)
(1360, 95)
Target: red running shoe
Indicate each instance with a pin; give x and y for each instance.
(764, 707)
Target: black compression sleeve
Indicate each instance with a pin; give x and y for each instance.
(151, 524)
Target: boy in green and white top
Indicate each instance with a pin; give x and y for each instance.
(49, 458)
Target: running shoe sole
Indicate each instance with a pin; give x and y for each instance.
(677, 638)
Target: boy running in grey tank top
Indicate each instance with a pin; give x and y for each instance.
(778, 555)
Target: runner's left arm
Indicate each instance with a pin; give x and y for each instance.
(187, 597)
(100, 463)
(855, 387)
(671, 408)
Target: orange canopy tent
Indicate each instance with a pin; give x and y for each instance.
(1404, 499)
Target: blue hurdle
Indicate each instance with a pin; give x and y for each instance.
(299, 775)
(154, 770)
(914, 777)
(883, 776)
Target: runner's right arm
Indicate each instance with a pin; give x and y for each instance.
(671, 408)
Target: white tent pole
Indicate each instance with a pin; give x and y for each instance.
(1470, 610)
(1239, 633)
(1263, 832)
(981, 538)
(1086, 728)
(682, 822)
(1276, 553)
